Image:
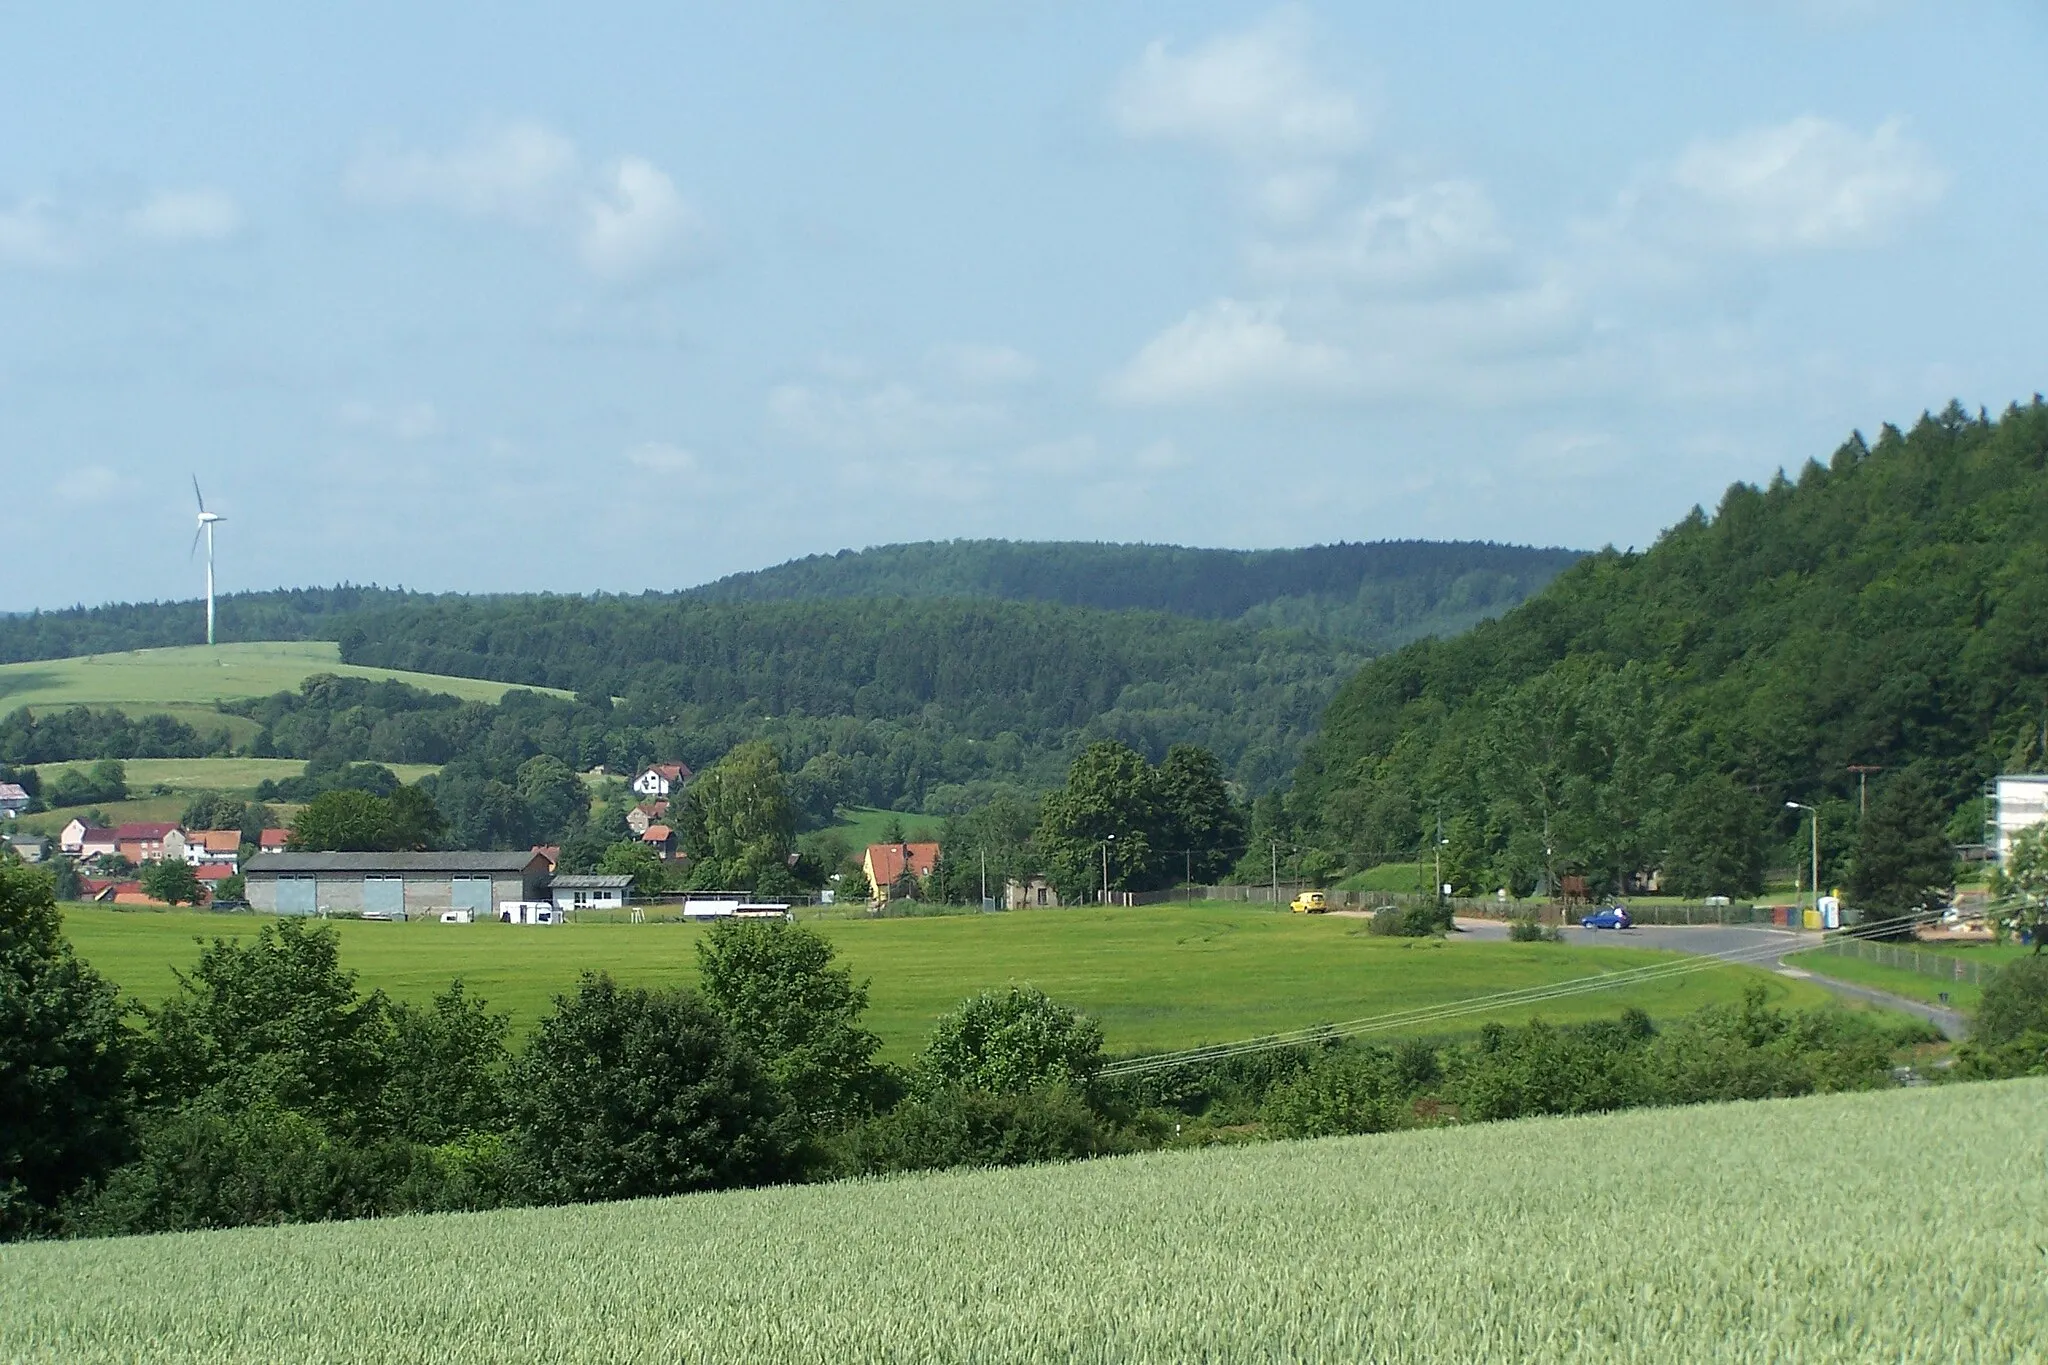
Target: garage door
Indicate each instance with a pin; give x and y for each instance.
(297, 896)
(384, 895)
(472, 893)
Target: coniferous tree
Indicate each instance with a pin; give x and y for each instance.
(1903, 864)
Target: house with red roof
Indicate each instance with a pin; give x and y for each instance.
(662, 779)
(661, 839)
(886, 864)
(273, 841)
(147, 841)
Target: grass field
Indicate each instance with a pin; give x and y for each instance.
(186, 681)
(1713, 1233)
(1396, 877)
(863, 825)
(239, 775)
(1158, 977)
(1912, 985)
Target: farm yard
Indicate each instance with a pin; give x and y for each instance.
(1781, 1230)
(1158, 977)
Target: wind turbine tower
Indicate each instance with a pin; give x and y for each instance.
(206, 523)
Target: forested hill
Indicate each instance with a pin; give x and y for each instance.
(1888, 607)
(1380, 595)
(280, 614)
(995, 690)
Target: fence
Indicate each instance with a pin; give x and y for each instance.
(1917, 960)
(1548, 912)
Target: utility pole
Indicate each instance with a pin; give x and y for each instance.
(1863, 772)
(1105, 867)
(1815, 812)
(1276, 871)
(984, 879)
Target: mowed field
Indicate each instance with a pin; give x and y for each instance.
(1776, 1231)
(187, 680)
(219, 774)
(1158, 977)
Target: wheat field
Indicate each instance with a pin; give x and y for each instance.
(1798, 1230)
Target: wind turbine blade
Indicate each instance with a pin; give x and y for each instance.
(197, 494)
(195, 545)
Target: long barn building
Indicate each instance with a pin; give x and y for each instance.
(409, 884)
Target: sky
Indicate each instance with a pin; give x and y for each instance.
(468, 297)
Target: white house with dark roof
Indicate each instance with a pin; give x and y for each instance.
(14, 799)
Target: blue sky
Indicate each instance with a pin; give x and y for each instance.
(462, 299)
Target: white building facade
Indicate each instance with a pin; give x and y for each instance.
(2018, 800)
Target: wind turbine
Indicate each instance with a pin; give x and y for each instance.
(206, 521)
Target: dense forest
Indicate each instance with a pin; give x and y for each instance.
(1380, 595)
(923, 705)
(280, 614)
(1888, 608)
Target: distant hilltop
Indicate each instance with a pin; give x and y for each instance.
(1378, 596)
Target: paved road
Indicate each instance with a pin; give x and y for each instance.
(1755, 943)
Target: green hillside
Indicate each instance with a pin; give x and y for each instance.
(1380, 595)
(1889, 607)
(190, 679)
(1783, 1230)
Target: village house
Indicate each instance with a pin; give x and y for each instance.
(645, 814)
(149, 841)
(662, 779)
(30, 848)
(80, 840)
(273, 841)
(14, 799)
(885, 865)
(662, 840)
(1030, 893)
(205, 846)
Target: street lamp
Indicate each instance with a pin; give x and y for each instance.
(1107, 840)
(1815, 812)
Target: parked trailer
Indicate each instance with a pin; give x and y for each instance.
(528, 912)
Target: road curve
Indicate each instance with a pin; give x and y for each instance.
(1755, 942)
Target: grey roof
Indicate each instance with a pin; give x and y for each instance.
(591, 881)
(290, 864)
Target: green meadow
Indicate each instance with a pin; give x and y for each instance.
(1158, 977)
(187, 680)
(1787, 1230)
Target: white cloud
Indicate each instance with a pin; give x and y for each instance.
(1253, 95)
(1808, 183)
(623, 220)
(32, 235)
(659, 457)
(1443, 235)
(984, 366)
(520, 171)
(880, 415)
(409, 422)
(86, 483)
(186, 216)
(1228, 349)
(633, 220)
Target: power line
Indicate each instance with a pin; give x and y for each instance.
(1430, 1014)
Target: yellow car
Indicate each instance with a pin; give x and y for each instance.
(1310, 903)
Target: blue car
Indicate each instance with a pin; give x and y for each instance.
(1613, 917)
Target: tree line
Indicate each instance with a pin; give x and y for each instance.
(1658, 710)
(270, 1087)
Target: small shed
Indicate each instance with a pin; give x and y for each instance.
(589, 890)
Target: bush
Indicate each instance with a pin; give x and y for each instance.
(2009, 1036)
(1349, 1090)
(1010, 1042)
(1416, 921)
(956, 1127)
(64, 1086)
(1530, 931)
(625, 1092)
